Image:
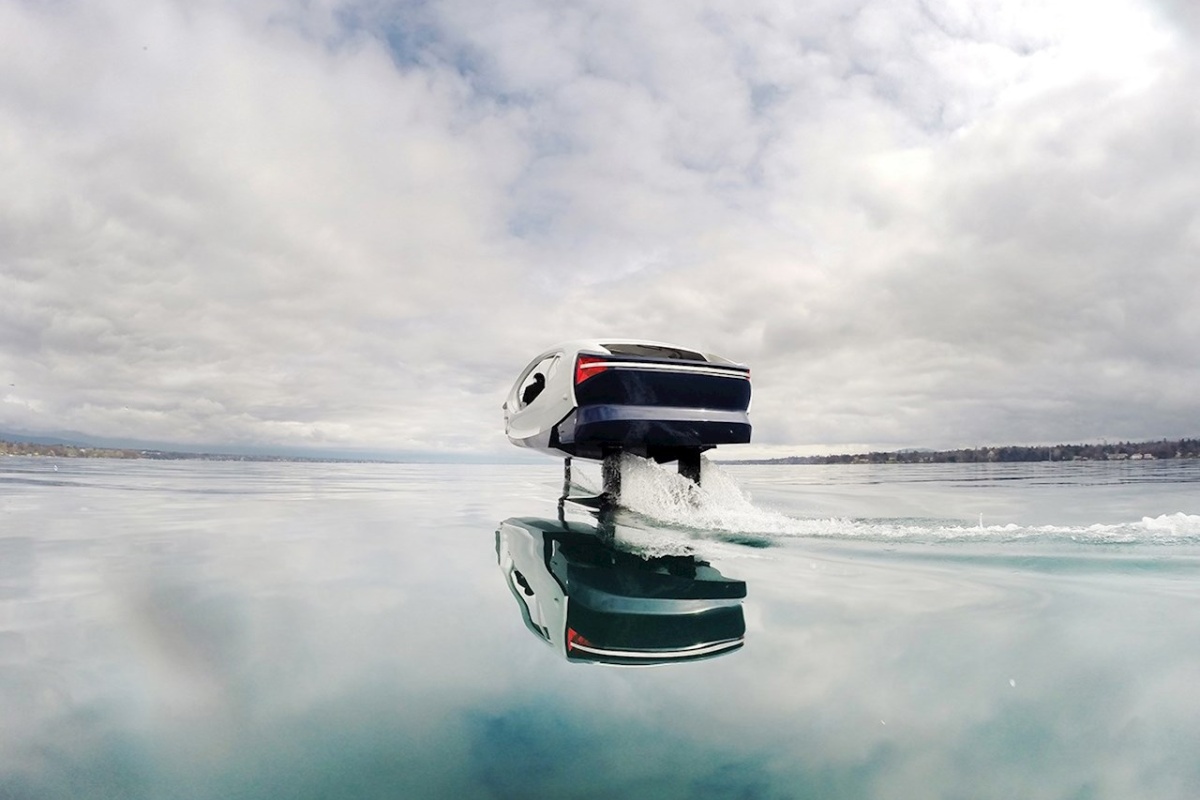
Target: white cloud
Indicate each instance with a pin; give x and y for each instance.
(920, 223)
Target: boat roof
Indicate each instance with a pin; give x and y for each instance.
(608, 344)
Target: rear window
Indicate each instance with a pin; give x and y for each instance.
(654, 351)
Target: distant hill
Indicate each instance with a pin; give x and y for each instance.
(60, 449)
(19, 438)
(67, 444)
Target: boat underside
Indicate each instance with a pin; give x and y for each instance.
(662, 434)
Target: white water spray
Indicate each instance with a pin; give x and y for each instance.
(716, 504)
(665, 499)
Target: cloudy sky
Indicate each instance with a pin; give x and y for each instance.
(305, 223)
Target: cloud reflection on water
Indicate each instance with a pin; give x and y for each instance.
(312, 642)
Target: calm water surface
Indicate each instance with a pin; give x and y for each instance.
(228, 630)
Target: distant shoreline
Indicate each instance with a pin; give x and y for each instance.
(39, 450)
(1163, 449)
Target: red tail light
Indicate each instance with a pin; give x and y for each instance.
(587, 366)
(573, 639)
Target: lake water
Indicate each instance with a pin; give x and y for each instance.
(274, 630)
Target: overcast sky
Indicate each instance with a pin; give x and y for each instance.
(328, 225)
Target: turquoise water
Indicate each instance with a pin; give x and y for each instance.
(210, 629)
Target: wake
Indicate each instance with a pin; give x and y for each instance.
(656, 497)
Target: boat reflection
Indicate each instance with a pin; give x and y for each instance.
(593, 602)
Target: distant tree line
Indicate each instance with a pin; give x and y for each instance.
(1120, 451)
(65, 451)
(80, 451)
